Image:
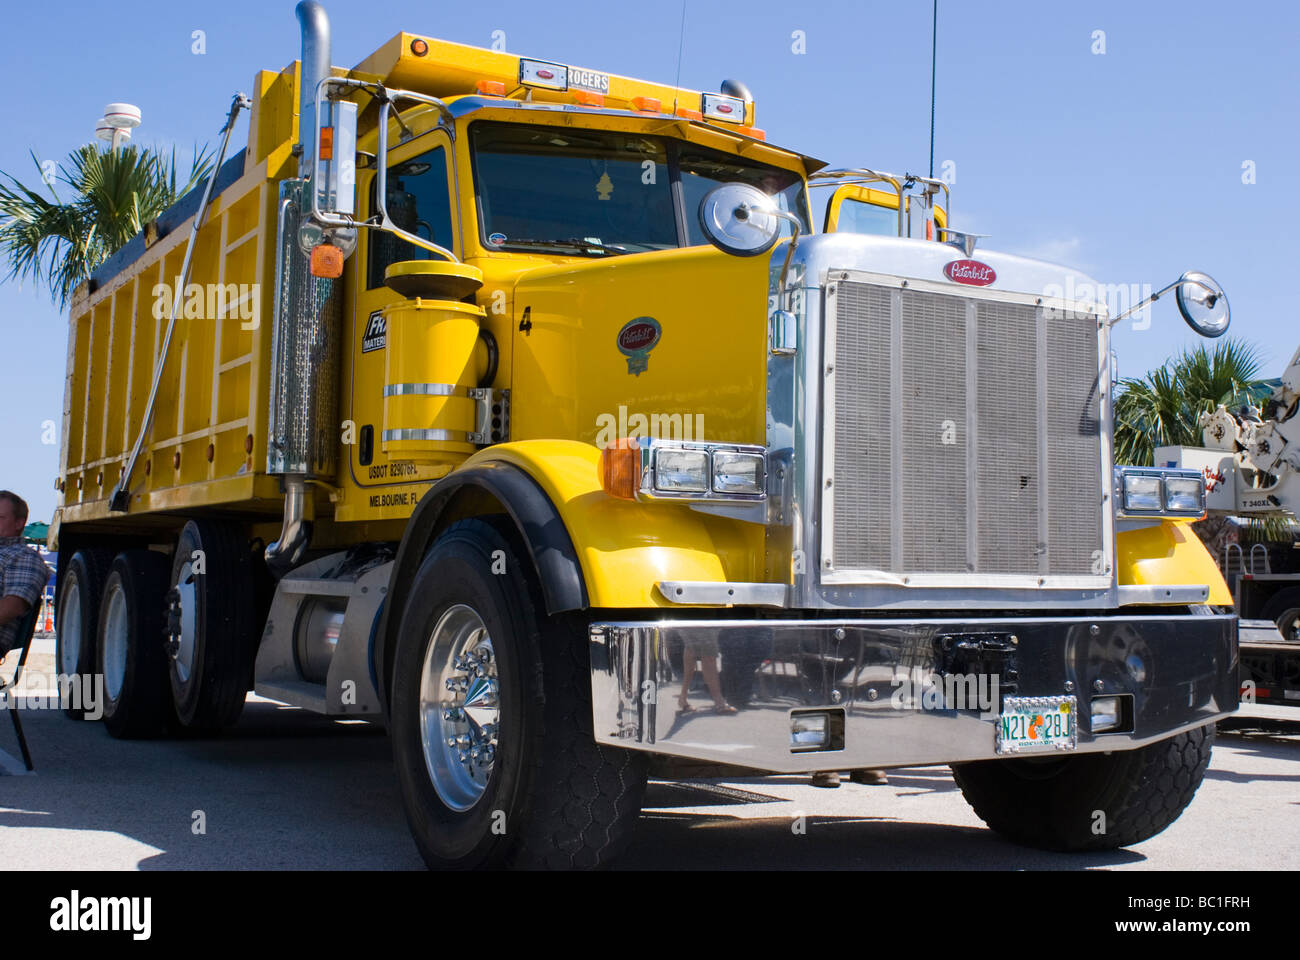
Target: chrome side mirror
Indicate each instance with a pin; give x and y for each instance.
(739, 219)
(1202, 303)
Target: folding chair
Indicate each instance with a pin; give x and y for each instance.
(26, 630)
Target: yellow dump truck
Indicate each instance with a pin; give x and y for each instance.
(520, 407)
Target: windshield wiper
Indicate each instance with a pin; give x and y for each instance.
(570, 242)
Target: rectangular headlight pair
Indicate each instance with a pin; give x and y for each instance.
(1150, 491)
(704, 471)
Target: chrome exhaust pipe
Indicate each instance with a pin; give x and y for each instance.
(315, 68)
(295, 532)
(305, 342)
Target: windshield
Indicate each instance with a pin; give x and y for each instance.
(601, 192)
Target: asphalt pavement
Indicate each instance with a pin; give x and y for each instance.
(287, 789)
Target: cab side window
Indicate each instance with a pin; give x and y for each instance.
(419, 202)
(859, 217)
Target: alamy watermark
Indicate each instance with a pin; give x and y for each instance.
(656, 426)
(1118, 297)
(211, 301)
(41, 691)
(921, 689)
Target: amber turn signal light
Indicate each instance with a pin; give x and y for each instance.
(620, 468)
(326, 261)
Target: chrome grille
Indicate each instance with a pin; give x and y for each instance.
(966, 438)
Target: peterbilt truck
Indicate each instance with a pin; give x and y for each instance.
(520, 407)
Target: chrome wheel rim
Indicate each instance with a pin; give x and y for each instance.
(182, 651)
(70, 629)
(1289, 624)
(459, 707)
(116, 630)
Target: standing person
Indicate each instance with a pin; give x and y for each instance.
(23, 573)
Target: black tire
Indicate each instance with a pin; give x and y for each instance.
(211, 672)
(136, 699)
(81, 585)
(1053, 803)
(553, 797)
(1283, 608)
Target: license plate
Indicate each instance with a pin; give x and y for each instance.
(1036, 724)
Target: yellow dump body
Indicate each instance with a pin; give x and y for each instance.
(208, 442)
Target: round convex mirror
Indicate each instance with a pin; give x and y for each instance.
(1202, 303)
(736, 219)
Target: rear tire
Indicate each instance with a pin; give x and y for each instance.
(129, 648)
(211, 629)
(81, 586)
(550, 797)
(1054, 803)
(1283, 608)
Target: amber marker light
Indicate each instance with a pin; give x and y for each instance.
(419, 47)
(492, 88)
(326, 261)
(620, 468)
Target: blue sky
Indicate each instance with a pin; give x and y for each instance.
(1127, 164)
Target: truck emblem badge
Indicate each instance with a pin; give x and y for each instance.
(376, 333)
(635, 341)
(970, 272)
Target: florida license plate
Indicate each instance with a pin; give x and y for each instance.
(1036, 724)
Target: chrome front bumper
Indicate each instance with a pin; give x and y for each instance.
(1179, 672)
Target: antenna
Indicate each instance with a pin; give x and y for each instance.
(116, 124)
(934, 47)
(681, 43)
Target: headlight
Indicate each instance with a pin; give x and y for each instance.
(1156, 492)
(1141, 492)
(738, 473)
(681, 471)
(685, 470)
(1185, 494)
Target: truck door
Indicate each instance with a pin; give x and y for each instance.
(420, 199)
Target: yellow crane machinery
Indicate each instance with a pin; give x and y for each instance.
(520, 407)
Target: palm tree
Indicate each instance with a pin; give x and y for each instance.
(116, 193)
(1164, 407)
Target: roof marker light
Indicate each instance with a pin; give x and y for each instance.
(541, 73)
(419, 47)
(646, 104)
(715, 106)
(588, 98)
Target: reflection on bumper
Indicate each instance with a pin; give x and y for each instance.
(894, 682)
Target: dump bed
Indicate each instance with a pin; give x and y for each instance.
(207, 445)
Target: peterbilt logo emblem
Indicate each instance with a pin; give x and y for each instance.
(635, 341)
(970, 272)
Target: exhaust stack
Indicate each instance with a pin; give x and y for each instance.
(305, 340)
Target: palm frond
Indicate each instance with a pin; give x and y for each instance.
(1164, 407)
(116, 193)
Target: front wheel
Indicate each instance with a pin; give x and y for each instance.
(1092, 801)
(491, 719)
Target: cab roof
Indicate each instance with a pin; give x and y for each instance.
(447, 70)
